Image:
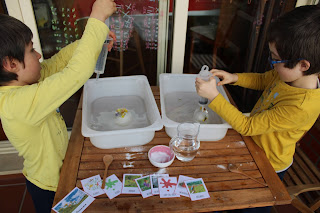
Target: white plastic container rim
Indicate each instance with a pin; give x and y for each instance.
(167, 122)
(149, 99)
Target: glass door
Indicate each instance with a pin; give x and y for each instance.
(135, 23)
(156, 36)
(230, 35)
(141, 34)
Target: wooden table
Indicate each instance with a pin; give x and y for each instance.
(227, 190)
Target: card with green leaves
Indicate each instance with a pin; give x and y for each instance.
(113, 186)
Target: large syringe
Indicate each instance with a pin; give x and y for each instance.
(201, 114)
(205, 75)
(101, 62)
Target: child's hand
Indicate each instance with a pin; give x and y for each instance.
(226, 77)
(113, 36)
(102, 9)
(207, 89)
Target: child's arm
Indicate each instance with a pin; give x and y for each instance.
(57, 62)
(60, 60)
(255, 81)
(208, 89)
(32, 103)
(275, 119)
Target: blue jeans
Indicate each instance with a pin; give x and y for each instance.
(266, 209)
(281, 174)
(42, 199)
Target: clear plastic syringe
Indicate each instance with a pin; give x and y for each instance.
(101, 62)
(201, 114)
(205, 75)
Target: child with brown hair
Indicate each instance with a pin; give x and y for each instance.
(31, 91)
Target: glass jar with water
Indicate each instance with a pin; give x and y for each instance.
(186, 144)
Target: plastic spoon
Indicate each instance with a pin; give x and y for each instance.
(107, 160)
(235, 169)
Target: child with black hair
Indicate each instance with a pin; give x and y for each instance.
(31, 92)
(290, 102)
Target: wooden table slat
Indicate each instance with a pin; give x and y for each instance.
(224, 200)
(276, 187)
(93, 158)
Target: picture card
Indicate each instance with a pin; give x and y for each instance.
(154, 182)
(144, 185)
(113, 186)
(92, 185)
(197, 189)
(129, 184)
(167, 187)
(181, 187)
(76, 201)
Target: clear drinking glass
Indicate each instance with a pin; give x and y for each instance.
(186, 144)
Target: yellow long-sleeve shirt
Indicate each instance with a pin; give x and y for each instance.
(278, 120)
(28, 113)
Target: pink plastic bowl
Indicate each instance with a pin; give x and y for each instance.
(161, 156)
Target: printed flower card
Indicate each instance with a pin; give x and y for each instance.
(92, 185)
(197, 189)
(181, 187)
(129, 184)
(76, 201)
(144, 185)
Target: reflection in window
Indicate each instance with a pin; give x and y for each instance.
(230, 35)
(61, 22)
(135, 24)
(219, 33)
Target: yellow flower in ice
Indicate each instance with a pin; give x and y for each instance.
(121, 112)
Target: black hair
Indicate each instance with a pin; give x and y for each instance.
(14, 36)
(296, 35)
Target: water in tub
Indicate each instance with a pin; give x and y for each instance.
(180, 107)
(118, 113)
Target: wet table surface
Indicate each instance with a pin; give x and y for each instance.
(227, 190)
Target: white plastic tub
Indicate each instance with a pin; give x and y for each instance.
(179, 90)
(100, 100)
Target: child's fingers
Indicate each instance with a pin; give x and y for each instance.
(215, 71)
(199, 80)
(113, 36)
(114, 7)
(223, 82)
(212, 79)
(110, 46)
(218, 73)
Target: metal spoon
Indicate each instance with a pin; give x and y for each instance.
(235, 169)
(107, 160)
